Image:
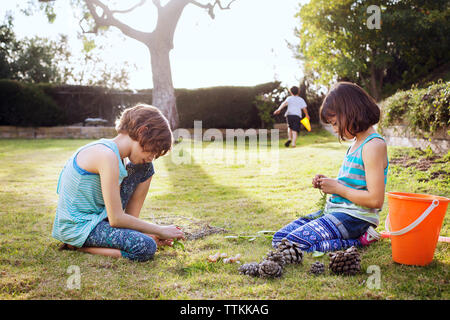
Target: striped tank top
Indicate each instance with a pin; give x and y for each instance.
(352, 174)
(80, 203)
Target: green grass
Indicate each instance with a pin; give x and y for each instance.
(235, 196)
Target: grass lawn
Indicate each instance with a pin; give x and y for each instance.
(238, 197)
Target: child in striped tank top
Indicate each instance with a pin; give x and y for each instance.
(356, 196)
(100, 198)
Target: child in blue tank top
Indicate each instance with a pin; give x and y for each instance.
(100, 198)
(356, 196)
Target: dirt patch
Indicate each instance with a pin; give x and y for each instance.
(425, 164)
(436, 174)
(422, 164)
(403, 161)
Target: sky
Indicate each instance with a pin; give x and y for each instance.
(243, 46)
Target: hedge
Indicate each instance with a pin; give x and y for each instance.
(27, 105)
(82, 102)
(51, 105)
(221, 107)
(424, 111)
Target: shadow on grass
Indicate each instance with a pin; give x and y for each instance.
(203, 198)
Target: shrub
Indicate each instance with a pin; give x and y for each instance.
(423, 110)
(265, 110)
(82, 102)
(26, 105)
(221, 107)
(266, 104)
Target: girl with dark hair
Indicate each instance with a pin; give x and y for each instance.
(356, 196)
(100, 198)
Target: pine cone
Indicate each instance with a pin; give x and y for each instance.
(276, 256)
(250, 269)
(317, 268)
(270, 269)
(291, 251)
(345, 262)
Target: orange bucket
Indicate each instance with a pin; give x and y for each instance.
(417, 220)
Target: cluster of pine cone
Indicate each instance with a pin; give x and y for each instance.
(272, 265)
(345, 262)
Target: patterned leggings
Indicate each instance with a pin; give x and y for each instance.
(316, 232)
(132, 244)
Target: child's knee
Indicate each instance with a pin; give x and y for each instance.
(144, 249)
(302, 243)
(314, 215)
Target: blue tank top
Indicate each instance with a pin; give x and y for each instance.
(80, 203)
(352, 174)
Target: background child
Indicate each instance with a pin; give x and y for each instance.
(100, 199)
(357, 195)
(295, 105)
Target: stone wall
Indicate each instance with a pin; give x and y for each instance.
(402, 136)
(80, 132)
(57, 132)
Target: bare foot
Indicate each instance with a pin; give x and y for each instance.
(161, 242)
(66, 246)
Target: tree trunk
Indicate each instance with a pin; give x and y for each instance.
(376, 82)
(163, 91)
(159, 43)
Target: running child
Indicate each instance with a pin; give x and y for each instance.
(294, 113)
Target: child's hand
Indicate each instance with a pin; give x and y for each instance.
(276, 112)
(315, 180)
(161, 242)
(328, 185)
(171, 232)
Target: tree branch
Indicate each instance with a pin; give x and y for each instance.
(210, 6)
(157, 4)
(129, 10)
(107, 19)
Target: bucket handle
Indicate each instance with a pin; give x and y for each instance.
(422, 217)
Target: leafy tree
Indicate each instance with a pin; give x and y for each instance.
(37, 60)
(336, 43)
(30, 59)
(7, 45)
(88, 68)
(98, 16)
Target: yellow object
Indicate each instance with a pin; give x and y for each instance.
(305, 123)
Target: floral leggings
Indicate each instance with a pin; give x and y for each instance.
(132, 244)
(319, 232)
